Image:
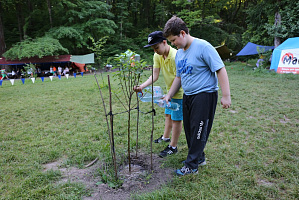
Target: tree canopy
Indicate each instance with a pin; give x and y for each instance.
(39, 47)
(51, 27)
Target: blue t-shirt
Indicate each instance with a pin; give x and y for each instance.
(197, 67)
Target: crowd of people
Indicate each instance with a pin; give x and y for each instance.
(20, 72)
(59, 71)
(14, 74)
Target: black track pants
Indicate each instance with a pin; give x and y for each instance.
(198, 116)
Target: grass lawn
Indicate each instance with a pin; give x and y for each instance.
(252, 152)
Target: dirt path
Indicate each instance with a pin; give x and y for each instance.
(141, 179)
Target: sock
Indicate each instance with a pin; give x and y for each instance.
(171, 147)
(163, 138)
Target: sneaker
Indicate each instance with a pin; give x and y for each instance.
(185, 171)
(168, 151)
(161, 140)
(200, 162)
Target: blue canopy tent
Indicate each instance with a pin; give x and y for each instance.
(252, 49)
(285, 58)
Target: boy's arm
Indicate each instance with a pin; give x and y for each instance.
(156, 72)
(224, 85)
(175, 86)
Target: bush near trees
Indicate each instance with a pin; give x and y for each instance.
(68, 25)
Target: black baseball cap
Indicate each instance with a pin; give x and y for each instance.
(155, 38)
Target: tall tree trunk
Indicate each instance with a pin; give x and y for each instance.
(50, 12)
(135, 17)
(162, 18)
(203, 12)
(236, 11)
(21, 23)
(2, 40)
(146, 12)
(277, 40)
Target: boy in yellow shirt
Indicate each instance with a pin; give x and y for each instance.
(164, 61)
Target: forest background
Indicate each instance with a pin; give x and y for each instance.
(52, 27)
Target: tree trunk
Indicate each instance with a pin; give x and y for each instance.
(2, 40)
(20, 21)
(236, 11)
(277, 40)
(203, 16)
(50, 12)
(162, 18)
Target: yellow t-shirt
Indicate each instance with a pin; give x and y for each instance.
(168, 69)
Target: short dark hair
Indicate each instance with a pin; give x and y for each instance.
(174, 26)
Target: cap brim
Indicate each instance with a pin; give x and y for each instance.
(153, 43)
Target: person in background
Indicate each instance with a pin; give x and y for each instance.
(3, 74)
(19, 73)
(164, 61)
(51, 71)
(59, 70)
(199, 68)
(66, 70)
(13, 74)
(54, 71)
(38, 71)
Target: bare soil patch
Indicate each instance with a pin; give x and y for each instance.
(140, 180)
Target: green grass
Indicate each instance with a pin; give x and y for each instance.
(252, 152)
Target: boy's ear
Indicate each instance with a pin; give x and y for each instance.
(183, 33)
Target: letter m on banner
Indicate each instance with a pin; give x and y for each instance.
(289, 62)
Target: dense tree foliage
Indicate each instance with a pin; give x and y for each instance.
(39, 47)
(267, 19)
(68, 25)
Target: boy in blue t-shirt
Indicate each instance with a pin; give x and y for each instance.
(197, 63)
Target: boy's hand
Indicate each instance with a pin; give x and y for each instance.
(225, 102)
(137, 88)
(166, 98)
